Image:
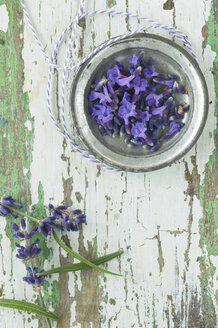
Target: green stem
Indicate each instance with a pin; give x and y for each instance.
(81, 266)
(81, 258)
(43, 304)
(21, 213)
(40, 294)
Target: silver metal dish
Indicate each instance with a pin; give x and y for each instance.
(168, 58)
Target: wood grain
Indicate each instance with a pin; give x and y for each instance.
(164, 220)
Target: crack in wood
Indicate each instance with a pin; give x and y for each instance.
(65, 300)
(88, 297)
(204, 32)
(160, 251)
(160, 258)
(193, 180)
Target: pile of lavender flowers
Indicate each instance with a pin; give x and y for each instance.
(60, 218)
(137, 102)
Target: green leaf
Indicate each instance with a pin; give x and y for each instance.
(28, 307)
(81, 258)
(82, 266)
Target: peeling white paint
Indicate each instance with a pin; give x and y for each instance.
(4, 19)
(28, 125)
(123, 210)
(25, 171)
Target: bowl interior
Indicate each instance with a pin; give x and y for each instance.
(163, 64)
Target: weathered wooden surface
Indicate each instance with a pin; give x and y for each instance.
(164, 220)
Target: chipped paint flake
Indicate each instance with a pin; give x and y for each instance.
(111, 3)
(4, 18)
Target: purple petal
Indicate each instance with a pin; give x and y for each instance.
(14, 226)
(62, 207)
(23, 224)
(133, 60)
(19, 235)
(77, 211)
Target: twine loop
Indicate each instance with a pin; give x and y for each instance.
(73, 25)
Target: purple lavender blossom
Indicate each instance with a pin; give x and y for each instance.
(59, 212)
(102, 130)
(33, 279)
(102, 113)
(159, 110)
(116, 129)
(174, 127)
(81, 218)
(110, 87)
(106, 95)
(126, 111)
(70, 226)
(113, 74)
(126, 98)
(47, 225)
(138, 130)
(139, 84)
(149, 70)
(105, 116)
(29, 252)
(95, 95)
(153, 100)
(154, 125)
(133, 60)
(144, 116)
(78, 218)
(6, 211)
(119, 66)
(9, 201)
(168, 83)
(21, 232)
(126, 80)
(136, 102)
(103, 96)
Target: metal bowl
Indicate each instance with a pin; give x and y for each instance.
(168, 58)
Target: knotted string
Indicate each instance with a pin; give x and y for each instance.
(74, 24)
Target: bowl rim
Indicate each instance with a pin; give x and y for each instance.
(195, 133)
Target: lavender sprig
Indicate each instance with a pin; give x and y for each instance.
(61, 218)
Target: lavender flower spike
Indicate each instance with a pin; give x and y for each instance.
(5, 211)
(8, 200)
(29, 252)
(47, 225)
(33, 279)
(21, 233)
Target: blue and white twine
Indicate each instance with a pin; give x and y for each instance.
(73, 24)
